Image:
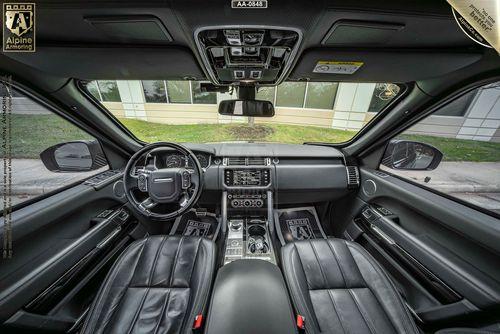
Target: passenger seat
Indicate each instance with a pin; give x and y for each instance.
(339, 288)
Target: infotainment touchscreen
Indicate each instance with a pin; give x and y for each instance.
(247, 178)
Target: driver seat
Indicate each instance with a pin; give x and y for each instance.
(158, 285)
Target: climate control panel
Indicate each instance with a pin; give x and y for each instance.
(242, 201)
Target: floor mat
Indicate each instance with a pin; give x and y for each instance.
(296, 224)
(197, 223)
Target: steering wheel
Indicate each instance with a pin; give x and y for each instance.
(177, 187)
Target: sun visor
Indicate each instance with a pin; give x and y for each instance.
(145, 29)
(355, 33)
(378, 65)
(114, 63)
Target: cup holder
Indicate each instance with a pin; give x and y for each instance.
(256, 230)
(257, 243)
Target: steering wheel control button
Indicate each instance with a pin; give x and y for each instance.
(142, 182)
(186, 179)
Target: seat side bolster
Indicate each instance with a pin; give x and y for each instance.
(384, 289)
(296, 281)
(96, 316)
(201, 282)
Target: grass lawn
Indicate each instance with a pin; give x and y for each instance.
(295, 134)
(31, 134)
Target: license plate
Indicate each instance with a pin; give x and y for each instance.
(248, 4)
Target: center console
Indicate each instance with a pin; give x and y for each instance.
(247, 210)
(248, 238)
(250, 296)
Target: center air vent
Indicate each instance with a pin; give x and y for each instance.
(352, 177)
(257, 161)
(252, 161)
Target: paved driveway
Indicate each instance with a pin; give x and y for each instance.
(30, 178)
(475, 182)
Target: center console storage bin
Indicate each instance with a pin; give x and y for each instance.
(250, 296)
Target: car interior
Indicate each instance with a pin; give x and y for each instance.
(246, 236)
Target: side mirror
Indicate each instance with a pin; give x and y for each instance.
(74, 156)
(411, 155)
(250, 108)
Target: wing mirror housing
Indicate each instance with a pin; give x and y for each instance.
(74, 156)
(411, 155)
(250, 108)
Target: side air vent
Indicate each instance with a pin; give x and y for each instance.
(240, 161)
(352, 177)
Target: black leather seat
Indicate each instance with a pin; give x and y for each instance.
(158, 285)
(339, 288)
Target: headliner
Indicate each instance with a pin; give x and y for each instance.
(68, 46)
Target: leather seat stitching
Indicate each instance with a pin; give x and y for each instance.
(332, 249)
(363, 315)
(195, 259)
(138, 311)
(172, 271)
(167, 299)
(332, 299)
(155, 262)
(325, 281)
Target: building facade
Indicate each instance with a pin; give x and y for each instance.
(345, 106)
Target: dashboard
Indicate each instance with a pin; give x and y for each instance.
(294, 173)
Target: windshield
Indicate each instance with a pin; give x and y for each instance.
(178, 111)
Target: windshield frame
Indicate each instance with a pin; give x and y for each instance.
(404, 90)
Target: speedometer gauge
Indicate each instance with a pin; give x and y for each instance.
(175, 161)
(203, 160)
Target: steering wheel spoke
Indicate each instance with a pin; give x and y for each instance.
(184, 200)
(147, 204)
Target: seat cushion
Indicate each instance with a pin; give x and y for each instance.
(158, 285)
(339, 288)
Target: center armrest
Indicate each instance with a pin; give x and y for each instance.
(250, 296)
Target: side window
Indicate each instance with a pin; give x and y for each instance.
(47, 153)
(456, 150)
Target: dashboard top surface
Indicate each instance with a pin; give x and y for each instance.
(242, 149)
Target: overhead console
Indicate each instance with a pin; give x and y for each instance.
(251, 54)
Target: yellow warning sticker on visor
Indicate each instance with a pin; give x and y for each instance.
(337, 67)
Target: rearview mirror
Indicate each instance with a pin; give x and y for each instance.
(411, 155)
(250, 108)
(74, 156)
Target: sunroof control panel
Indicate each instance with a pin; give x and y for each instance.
(259, 55)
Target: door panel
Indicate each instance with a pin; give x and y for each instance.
(443, 255)
(59, 246)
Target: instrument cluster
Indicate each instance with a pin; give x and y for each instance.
(177, 160)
